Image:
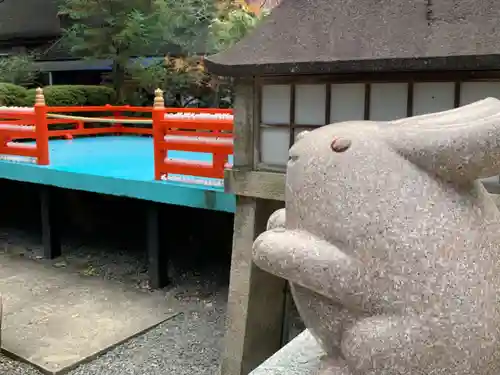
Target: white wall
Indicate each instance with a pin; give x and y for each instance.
(349, 101)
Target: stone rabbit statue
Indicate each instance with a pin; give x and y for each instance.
(392, 246)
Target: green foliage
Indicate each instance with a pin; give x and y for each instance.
(12, 95)
(18, 69)
(60, 96)
(185, 23)
(232, 25)
(98, 95)
(178, 77)
(77, 95)
(120, 30)
(183, 79)
(123, 29)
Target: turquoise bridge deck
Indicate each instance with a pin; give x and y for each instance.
(121, 166)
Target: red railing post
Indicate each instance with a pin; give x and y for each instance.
(158, 133)
(117, 115)
(219, 161)
(41, 128)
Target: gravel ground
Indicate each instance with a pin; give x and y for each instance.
(188, 344)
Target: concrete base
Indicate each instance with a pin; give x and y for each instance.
(301, 356)
(55, 319)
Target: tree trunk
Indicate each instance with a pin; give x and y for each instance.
(118, 78)
(216, 97)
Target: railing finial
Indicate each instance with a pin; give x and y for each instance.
(39, 97)
(159, 100)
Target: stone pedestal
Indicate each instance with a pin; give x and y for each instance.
(300, 357)
(256, 298)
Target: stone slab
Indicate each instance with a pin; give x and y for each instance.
(55, 319)
(301, 356)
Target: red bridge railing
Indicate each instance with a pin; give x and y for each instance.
(200, 130)
(20, 123)
(208, 131)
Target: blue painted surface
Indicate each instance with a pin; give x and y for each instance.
(117, 165)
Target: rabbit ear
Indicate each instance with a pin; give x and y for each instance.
(460, 145)
(477, 110)
(302, 134)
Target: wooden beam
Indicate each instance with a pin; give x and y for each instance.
(244, 117)
(50, 220)
(256, 300)
(265, 185)
(157, 254)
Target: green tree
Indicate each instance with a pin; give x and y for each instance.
(18, 69)
(232, 24)
(183, 78)
(120, 30)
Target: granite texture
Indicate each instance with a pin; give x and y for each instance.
(301, 356)
(324, 36)
(392, 246)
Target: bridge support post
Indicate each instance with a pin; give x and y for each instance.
(157, 254)
(50, 220)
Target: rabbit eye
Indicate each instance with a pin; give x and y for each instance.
(340, 144)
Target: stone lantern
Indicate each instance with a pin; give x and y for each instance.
(316, 62)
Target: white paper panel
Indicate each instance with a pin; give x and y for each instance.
(473, 91)
(388, 101)
(276, 100)
(430, 97)
(310, 104)
(347, 102)
(274, 145)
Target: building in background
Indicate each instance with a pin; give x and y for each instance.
(34, 25)
(28, 24)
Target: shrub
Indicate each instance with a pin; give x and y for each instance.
(98, 95)
(18, 69)
(60, 96)
(12, 95)
(74, 95)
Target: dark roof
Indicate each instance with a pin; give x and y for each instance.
(349, 36)
(28, 19)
